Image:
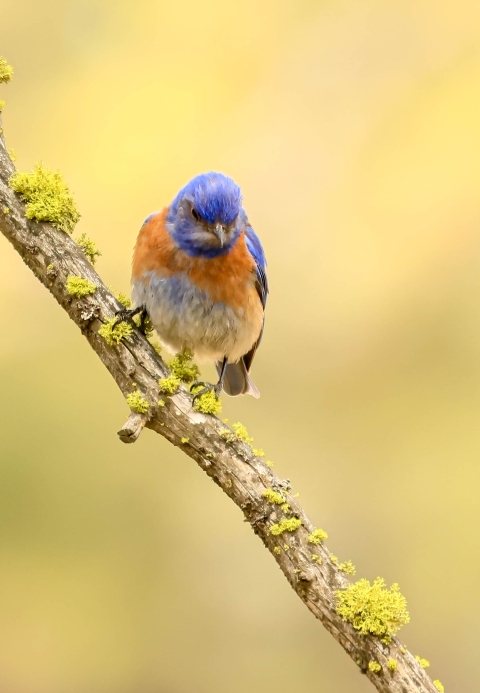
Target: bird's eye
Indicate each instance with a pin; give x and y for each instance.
(195, 214)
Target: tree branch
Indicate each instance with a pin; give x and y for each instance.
(53, 256)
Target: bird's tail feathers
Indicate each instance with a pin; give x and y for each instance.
(237, 380)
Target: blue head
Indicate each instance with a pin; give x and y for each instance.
(206, 217)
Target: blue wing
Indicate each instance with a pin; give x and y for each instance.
(237, 381)
(256, 251)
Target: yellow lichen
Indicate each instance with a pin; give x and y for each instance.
(424, 663)
(184, 441)
(137, 403)
(269, 463)
(78, 287)
(115, 332)
(334, 558)
(439, 686)
(273, 497)
(258, 452)
(46, 197)
(392, 664)
(183, 367)
(316, 558)
(286, 508)
(157, 346)
(89, 248)
(208, 403)
(374, 666)
(241, 433)
(347, 567)
(2, 105)
(6, 70)
(125, 300)
(277, 549)
(227, 435)
(161, 403)
(169, 385)
(121, 298)
(373, 608)
(5, 209)
(285, 525)
(183, 370)
(317, 536)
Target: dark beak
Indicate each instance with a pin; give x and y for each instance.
(219, 232)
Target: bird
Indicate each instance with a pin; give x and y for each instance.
(199, 274)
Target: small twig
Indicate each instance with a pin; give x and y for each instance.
(132, 428)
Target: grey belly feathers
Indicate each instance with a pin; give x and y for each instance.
(185, 316)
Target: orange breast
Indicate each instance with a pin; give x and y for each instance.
(226, 279)
(153, 247)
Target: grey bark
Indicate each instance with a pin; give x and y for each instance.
(52, 256)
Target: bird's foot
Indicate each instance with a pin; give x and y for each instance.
(125, 315)
(206, 387)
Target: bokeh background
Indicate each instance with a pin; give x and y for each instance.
(353, 129)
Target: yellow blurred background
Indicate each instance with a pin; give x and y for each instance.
(353, 129)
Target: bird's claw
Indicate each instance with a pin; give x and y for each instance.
(207, 387)
(125, 315)
(197, 383)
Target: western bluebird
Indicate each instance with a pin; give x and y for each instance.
(199, 272)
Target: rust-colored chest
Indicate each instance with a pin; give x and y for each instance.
(226, 279)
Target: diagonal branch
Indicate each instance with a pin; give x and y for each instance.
(53, 256)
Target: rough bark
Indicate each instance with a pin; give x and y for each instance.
(52, 256)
